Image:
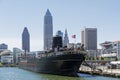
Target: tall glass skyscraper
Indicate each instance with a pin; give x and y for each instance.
(59, 33)
(48, 30)
(26, 40)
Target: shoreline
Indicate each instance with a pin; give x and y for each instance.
(105, 71)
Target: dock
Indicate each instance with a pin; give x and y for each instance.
(100, 70)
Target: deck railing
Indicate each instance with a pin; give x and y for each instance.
(55, 53)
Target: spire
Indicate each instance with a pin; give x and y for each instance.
(48, 13)
(66, 40)
(65, 31)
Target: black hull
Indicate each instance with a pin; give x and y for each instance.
(67, 65)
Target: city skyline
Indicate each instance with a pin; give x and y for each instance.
(72, 15)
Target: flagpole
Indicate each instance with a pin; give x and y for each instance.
(75, 42)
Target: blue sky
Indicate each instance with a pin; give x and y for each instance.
(71, 14)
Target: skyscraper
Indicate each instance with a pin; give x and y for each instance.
(59, 33)
(66, 40)
(25, 40)
(3, 46)
(89, 38)
(48, 30)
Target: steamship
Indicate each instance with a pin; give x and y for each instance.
(59, 61)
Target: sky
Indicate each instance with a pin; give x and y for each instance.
(72, 15)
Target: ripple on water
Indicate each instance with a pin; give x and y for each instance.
(14, 73)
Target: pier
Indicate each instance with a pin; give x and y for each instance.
(100, 70)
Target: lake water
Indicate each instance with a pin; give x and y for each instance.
(14, 73)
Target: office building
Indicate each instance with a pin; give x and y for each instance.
(25, 40)
(59, 33)
(66, 40)
(3, 46)
(89, 38)
(16, 55)
(48, 30)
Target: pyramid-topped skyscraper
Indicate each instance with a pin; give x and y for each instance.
(66, 40)
(48, 30)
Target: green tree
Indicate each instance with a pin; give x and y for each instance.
(1, 64)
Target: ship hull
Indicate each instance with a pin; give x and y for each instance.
(67, 65)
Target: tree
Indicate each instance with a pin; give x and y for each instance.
(1, 64)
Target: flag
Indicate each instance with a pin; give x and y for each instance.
(73, 36)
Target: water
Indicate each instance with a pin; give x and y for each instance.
(12, 73)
